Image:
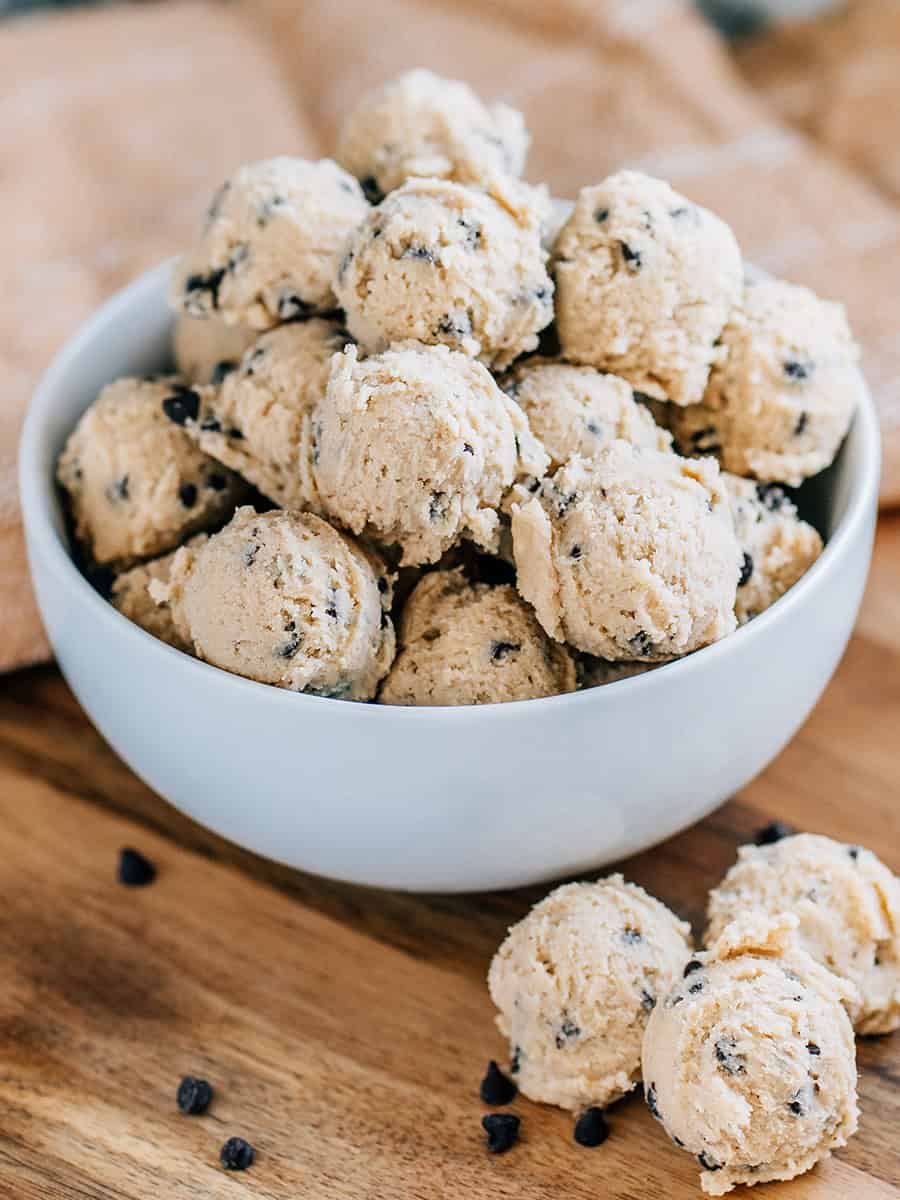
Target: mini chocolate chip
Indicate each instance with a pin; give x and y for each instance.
(210, 424)
(217, 482)
(456, 327)
(187, 494)
(182, 406)
(197, 286)
(238, 255)
(416, 250)
(696, 987)
(542, 294)
(601, 215)
(134, 869)
(502, 1131)
(496, 1089)
(648, 1000)
(650, 1098)
(802, 422)
(853, 851)
(501, 650)
(632, 257)
(221, 370)
(708, 1163)
(771, 496)
(194, 1095)
(117, 491)
(516, 1062)
(467, 449)
(728, 1058)
(691, 967)
(796, 1105)
(268, 206)
(594, 428)
(773, 832)
(371, 190)
(568, 1031)
(437, 508)
(631, 937)
(331, 611)
(591, 1129)
(813, 1049)
(746, 570)
(289, 648)
(236, 1154)
(642, 397)
(249, 554)
(576, 552)
(677, 1140)
(798, 371)
(641, 643)
(234, 433)
(291, 306)
(681, 211)
(473, 233)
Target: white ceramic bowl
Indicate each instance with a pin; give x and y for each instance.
(439, 799)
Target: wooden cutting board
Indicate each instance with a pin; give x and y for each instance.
(345, 1030)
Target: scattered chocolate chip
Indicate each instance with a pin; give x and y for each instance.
(650, 1098)
(632, 257)
(813, 1049)
(691, 967)
(193, 1095)
(802, 422)
(117, 491)
(187, 494)
(648, 1000)
(501, 650)
(236, 1154)
(798, 371)
(182, 406)
(371, 190)
(217, 482)
(221, 370)
(771, 833)
(291, 306)
(746, 570)
(134, 869)
(591, 1129)
(631, 937)
(496, 1089)
(502, 1131)
(728, 1058)
(601, 215)
(708, 1163)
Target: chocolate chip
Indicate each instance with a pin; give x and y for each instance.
(591, 1129)
(289, 648)
(542, 294)
(134, 869)
(217, 482)
(691, 967)
(576, 552)
(648, 1001)
(802, 422)
(496, 1089)
(210, 424)
(457, 327)
(501, 650)
(221, 370)
(853, 851)
(746, 570)
(371, 190)
(236, 1154)
(437, 508)
(813, 1049)
(416, 250)
(632, 257)
(291, 306)
(797, 1104)
(187, 494)
(771, 496)
(182, 406)
(682, 211)
(798, 371)
(708, 1163)
(198, 286)
(235, 433)
(601, 215)
(473, 233)
(467, 449)
(267, 208)
(728, 1058)
(631, 937)
(238, 255)
(696, 987)
(771, 833)
(502, 1131)
(516, 1062)
(248, 557)
(117, 491)
(641, 643)
(193, 1096)
(650, 1098)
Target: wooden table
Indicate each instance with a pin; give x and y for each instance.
(345, 1030)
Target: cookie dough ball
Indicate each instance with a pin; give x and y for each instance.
(579, 410)
(136, 482)
(205, 351)
(645, 283)
(465, 643)
(417, 446)
(597, 672)
(439, 262)
(259, 421)
(631, 556)
(848, 905)
(750, 1063)
(778, 548)
(273, 237)
(575, 982)
(780, 402)
(423, 125)
(131, 596)
(283, 598)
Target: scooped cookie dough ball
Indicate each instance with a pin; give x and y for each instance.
(259, 421)
(630, 556)
(645, 283)
(417, 446)
(465, 643)
(131, 596)
(423, 125)
(575, 983)
(579, 410)
(750, 1063)
(848, 906)
(778, 548)
(781, 400)
(206, 350)
(441, 263)
(283, 598)
(136, 482)
(273, 236)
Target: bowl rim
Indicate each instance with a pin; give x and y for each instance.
(36, 492)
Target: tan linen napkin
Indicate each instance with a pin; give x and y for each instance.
(605, 83)
(115, 126)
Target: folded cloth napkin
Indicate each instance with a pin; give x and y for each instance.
(119, 123)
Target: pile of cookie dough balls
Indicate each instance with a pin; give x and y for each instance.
(563, 433)
(745, 1048)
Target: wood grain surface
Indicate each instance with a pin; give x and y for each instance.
(345, 1030)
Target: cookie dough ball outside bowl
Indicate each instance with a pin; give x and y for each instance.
(423, 125)
(472, 643)
(273, 236)
(575, 983)
(750, 1062)
(848, 906)
(285, 599)
(438, 262)
(630, 556)
(645, 282)
(136, 482)
(781, 400)
(417, 446)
